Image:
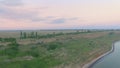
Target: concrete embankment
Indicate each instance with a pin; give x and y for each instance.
(96, 60)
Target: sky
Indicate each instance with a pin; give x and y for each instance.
(59, 14)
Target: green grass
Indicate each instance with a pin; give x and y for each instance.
(65, 50)
(46, 62)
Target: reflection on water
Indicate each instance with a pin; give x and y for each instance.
(110, 61)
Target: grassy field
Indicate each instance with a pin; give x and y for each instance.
(54, 49)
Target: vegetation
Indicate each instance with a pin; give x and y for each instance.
(55, 49)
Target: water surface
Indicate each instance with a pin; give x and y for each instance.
(110, 61)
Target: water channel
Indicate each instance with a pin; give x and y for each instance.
(111, 60)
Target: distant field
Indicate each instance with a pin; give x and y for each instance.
(53, 48)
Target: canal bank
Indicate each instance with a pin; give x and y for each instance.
(96, 60)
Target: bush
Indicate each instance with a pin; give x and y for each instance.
(1, 39)
(9, 39)
(111, 33)
(12, 50)
(33, 53)
(52, 46)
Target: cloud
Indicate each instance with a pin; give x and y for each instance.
(38, 19)
(11, 2)
(50, 17)
(17, 10)
(11, 14)
(59, 21)
(27, 13)
(32, 14)
(74, 18)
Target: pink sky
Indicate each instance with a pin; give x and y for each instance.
(54, 14)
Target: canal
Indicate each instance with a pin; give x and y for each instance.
(111, 60)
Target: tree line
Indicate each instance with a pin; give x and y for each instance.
(35, 35)
(24, 35)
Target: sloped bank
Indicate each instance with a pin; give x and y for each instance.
(96, 60)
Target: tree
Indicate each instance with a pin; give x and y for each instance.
(53, 33)
(25, 35)
(111, 33)
(36, 35)
(21, 35)
(77, 31)
(1, 39)
(32, 35)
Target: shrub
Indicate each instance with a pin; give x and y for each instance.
(52, 46)
(12, 50)
(9, 39)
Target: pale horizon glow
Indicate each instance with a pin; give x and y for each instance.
(59, 14)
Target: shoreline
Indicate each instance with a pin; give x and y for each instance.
(96, 60)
